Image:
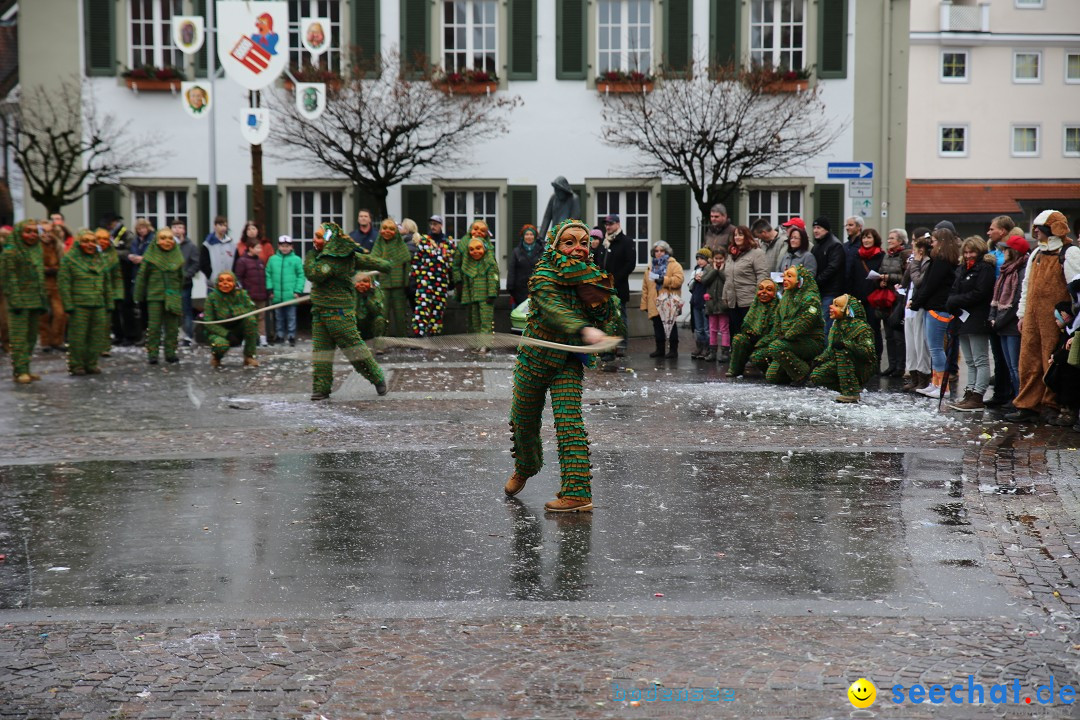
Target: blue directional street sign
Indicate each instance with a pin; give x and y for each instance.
(845, 170)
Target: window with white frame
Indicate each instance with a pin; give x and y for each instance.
(159, 206)
(298, 56)
(151, 33)
(632, 207)
(777, 33)
(953, 142)
(774, 206)
(1027, 67)
(954, 65)
(469, 35)
(1025, 140)
(1072, 67)
(311, 207)
(624, 39)
(461, 207)
(1072, 141)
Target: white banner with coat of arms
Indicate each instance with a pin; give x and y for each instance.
(253, 40)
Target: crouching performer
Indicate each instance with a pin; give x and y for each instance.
(800, 329)
(571, 301)
(757, 328)
(848, 361)
(224, 302)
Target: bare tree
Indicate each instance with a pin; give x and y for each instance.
(64, 146)
(382, 131)
(715, 128)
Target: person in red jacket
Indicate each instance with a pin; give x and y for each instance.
(251, 274)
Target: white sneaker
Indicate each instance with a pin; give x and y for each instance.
(930, 391)
(262, 341)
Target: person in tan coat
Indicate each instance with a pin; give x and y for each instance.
(745, 267)
(52, 326)
(661, 297)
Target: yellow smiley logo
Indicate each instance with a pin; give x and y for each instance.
(862, 693)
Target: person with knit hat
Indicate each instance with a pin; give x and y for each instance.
(1050, 265)
(573, 302)
(797, 251)
(831, 265)
(850, 358)
(1003, 307)
(22, 268)
(698, 290)
(716, 310)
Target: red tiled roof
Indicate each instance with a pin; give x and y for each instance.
(976, 198)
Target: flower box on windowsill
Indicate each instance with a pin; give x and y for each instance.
(147, 85)
(788, 86)
(469, 88)
(623, 86)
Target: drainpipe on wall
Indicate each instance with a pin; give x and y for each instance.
(886, 107)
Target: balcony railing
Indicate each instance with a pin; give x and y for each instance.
(965, 18)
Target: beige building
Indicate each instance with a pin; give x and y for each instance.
(994, 110)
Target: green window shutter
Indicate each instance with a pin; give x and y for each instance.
(570, 42)
(829, 201)
(415, 36)
(416, 203)
(205, 222)
(724, 20)
(832, 39)
(522, 202)
(365, 31)
(99, 37)
(579, 190)
(200, 57)
(103, 200)
(678, 20)
(675, 220)
(522, 36)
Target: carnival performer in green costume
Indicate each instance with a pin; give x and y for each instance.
(848, 361)
(478, 280)
(370, 307)
(757, 327)
(86, 290)
(116, 283)
(571, 301)
(22, 265)
(800, 331)
(331, 269)
(158, 284)
(390, 247)
(227, 301)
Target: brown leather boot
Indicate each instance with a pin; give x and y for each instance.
(514, 485)
(215, 361)
(251, 362)
(569, 504)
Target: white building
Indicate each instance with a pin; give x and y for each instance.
(547, 52)
(994, 110)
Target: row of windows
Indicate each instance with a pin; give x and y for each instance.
(1027, 66)
(1025, 141)
(469, 32)
(309, 207)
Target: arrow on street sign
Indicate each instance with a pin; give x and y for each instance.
(851, 170)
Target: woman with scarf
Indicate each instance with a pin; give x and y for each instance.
(157, 287)
(932, 295)
(661, 298)
(969, 300)
(390, 247)
(758, 328)
(745, 267)
(1004, 303)
(522, 262)
(800, 329)
(431, 267)
(848, 360)
(868, 291)
(892, 274)
(571, 301)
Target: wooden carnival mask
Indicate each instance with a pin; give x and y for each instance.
(476, 248)
(226, 283)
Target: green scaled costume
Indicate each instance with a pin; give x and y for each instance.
(848, 361)
(222, 306)
(800, 331)
(479, 281)
(116, 282)
(22, 267)
(758, 326)
(333, 308)
(86, 290)
(158, 284)
(565, 296)
(371, 312)
(393, 280)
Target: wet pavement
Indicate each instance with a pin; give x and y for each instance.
(182, 542)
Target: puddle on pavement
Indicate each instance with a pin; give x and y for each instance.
(394, 526)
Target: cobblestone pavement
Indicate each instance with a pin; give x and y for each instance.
(1018, 493)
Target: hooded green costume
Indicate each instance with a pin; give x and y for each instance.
(479, 280)
(393, 282)
(116, 282)
(848, 361)
(565, 296)
(371, 312)
(222, 306)
(85, 286)
(333, 309)
(158, 284)
(758, 326)
(800, 331)
(23, 269)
